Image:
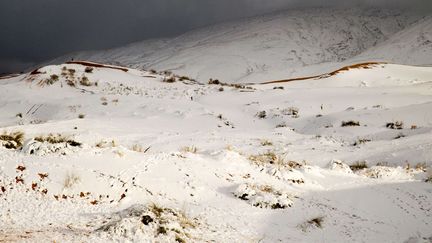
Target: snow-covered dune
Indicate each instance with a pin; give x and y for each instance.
(96, 153)
(274, 46)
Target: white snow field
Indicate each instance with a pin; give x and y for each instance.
(95, 153)
(281, 45)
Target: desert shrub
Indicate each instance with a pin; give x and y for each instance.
(263, 196)
(429, 178)
(70, 82)
(221, 89)
(361, 141)
(281, 125)
(140, 149)
(20, 115)
(278, 87)
(51, 80)
(81, 116)
(169, 224)
(261, 114)
(350, 123)
(421, 166)
(152, 71)
(316, 222)
(12, 140)
(359, 165)
(57, 138)
(190, 149)
(214, 81)
(170, 79)
(291, 111)
(395, 125)
(274, 159)
(85, 81)
(182, 78)
(54, 77)
(266, 143)
(106, 144)
(88, 70)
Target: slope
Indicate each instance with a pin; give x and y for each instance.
(275, 46)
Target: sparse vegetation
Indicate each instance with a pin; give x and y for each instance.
(237, 86)
(189, 149)
(266, 143)
(361, 141)
(263, 196)
(281, 125)
(429, 178)
(350, 123)
(291, 111)
(160, 221)
(261, 114)
(49, 81)
(85, 81)
(182, 78)
(13, 140)
(359, 165)
(273, 159)
(106, 144)
(395, 125)
(88, 70)
(140, 149)
(170, 79)
(57, 138)
(316, 222)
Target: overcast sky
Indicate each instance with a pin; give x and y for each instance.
(36, 30)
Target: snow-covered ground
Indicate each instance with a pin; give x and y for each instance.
(103, 153)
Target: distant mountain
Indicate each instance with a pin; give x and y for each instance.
(280, 45)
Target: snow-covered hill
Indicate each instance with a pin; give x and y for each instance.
(277, 46)
(412, 45)
(97, 153)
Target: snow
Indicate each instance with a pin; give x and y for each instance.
(281, 45)
(158, 162)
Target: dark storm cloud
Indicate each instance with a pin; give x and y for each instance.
(35, 30)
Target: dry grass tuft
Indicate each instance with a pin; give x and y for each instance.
(12, 140)
(395, 125)
(350, 123)
(140, 149)
(85, 81)
(359, 165)
(189, 149)
(57, 138)
(266, 142)
(274, 159)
